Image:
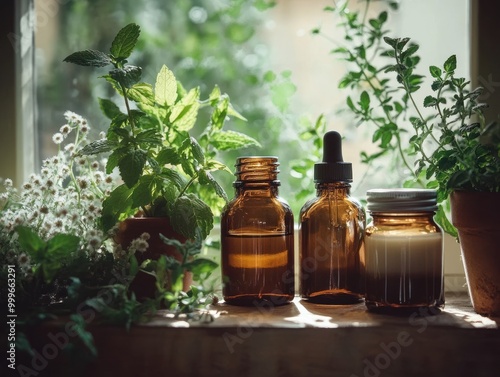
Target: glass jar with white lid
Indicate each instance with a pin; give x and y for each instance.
(404, 251)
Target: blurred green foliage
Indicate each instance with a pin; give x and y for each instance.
(204, 42)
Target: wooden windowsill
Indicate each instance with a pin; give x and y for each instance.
(302, 339)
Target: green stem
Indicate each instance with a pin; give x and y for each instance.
(129, 113)
(187, 185)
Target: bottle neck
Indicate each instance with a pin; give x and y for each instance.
(339, 188)
(257, 176)
(257, 188)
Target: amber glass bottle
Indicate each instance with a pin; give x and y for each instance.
(404, 251)
(331, 233)
(257, 237)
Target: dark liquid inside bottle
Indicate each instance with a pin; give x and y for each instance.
(258, 267)
(257, 237)
(331, 257)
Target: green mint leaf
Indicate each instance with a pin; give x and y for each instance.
(113, 160)
(174, 177)
(435, 71)
(109, 108)
(128, 76)
(168, 155)
(89, 58)
(150, 137)
(62, 245)
(189, 213)
(450, 64)
(197, 151)
(213, 165)
(98, 146)
(119, 201)
(229, 140)
(131, 166)
(142, 93)
(219, 113)
(208, 178)
(124, 42)
(185, 111)
(31, 243)
(145, 191)
(165, 87)
(214, 96)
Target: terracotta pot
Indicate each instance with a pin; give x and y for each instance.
(476, 215)
(143, 284)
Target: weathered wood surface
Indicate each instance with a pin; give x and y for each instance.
(303, 339)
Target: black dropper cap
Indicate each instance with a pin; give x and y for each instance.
(333, 168)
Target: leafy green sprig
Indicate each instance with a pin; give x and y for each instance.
(452, 147)
(373, 99)
(455, 149)
(158, 160)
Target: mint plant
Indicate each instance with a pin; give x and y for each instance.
(149, 142)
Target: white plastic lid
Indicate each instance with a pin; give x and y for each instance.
(401, 200)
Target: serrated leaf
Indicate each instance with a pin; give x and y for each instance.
(228, 140)
(98, 146)
(168, 155)
(189, 213)
(128, 76)
(213, 165)
(142, 93)
(150, 137)
(450, 64)
(185, 111)
(197, 151)
(214, 96)
(430, 101)
(131, 166)
(165, 87)
(215, 185)
(89, 58)
(118, 202)
(435, 71)
(125, 41)
(145, 191)
(114, 158)
(109, 108)
(174, 177)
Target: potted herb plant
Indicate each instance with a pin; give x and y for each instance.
(449, 146)
(167, 173)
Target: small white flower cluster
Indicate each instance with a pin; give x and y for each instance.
(137, 245)
(65, 197)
